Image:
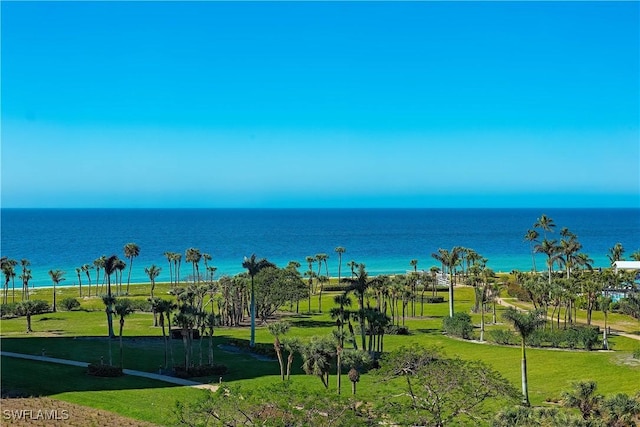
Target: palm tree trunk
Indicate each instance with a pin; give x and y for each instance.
(121, 358)
(525, 387)
(252, 342)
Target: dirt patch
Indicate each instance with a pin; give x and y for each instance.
(43, 411)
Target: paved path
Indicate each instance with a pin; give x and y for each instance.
(613, 331)
(158, 377)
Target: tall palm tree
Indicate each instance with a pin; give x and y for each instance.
(194, 256)
(616, 253)
(206, 258)
(569, 248)
(310, 274)
(25, 277)
(120, 266)
(525, 323)
(552, 251)
(131, 251)
(98, 263)
(153, 272)
(253, 267)
(122, 308)
(532, 237)
(352, 264)
(169, 256)
(545, 223)
(57, 276)
(359, 285)
(85, 268)
(8, 269)
(25, 273)
(339, 250)
(177, 260)
(449, 259)
(78, 271)
(109, 267)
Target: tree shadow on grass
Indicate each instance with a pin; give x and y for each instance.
(313, 323)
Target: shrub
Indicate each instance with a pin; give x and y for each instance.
(503, 336)
(536, 338)
(38, 307)
(8, 309)
(104, 370)
(397, 330)
(459, 325)
(69, 304)
(141, 305)
(588, 336)
(433, 300)
(200, 371)
(636, 353)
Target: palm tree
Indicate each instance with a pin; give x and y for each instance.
(616, 253)
(636, 255)
(545, 223)
(194, 256)
(78, 271)
(359, 286)
(525, 324)
(131, 251)
(109, 267)
(552, 251)
(27, 308)
(57, 276)
(339, 250)
(153, 272)
(169, 256)
(449, 260)
(98, 263)
(122, 308)
(120, 266)
(310, 274)
(25, 277)
(165, 308)
(583, 398)
(277, 329)
(86, 268)
(352, 264)
(253, 267)
(26, 273)
(532, 237)
(7, 266)
(206, 257)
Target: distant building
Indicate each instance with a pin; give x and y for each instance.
(626, 265)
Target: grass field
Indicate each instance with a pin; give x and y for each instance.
(80, 335)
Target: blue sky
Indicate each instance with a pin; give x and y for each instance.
(309, 104)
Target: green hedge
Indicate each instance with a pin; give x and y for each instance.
(459, 325)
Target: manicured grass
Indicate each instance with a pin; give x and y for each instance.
(133, 397)
(79, 335)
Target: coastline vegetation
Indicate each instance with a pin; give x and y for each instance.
(403, 335)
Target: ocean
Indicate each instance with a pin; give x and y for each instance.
(385, 240)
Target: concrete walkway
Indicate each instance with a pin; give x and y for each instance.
(157, 377)
(503, 303)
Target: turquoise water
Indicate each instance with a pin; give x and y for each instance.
(383, 239)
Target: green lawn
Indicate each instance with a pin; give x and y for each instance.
(79, 335)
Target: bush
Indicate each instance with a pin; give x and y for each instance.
(636, 353)
(104, 370)
(536, 338)
(503, 336)
(8, 309)
(396, 330)
(200, 371)
(588, 336)
(141, 305)
(459, 325)
(69, 304)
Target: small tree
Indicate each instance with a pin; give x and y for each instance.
(583, 398)
(27, 309)
(277, 329)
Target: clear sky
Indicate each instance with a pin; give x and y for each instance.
(320, 104)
